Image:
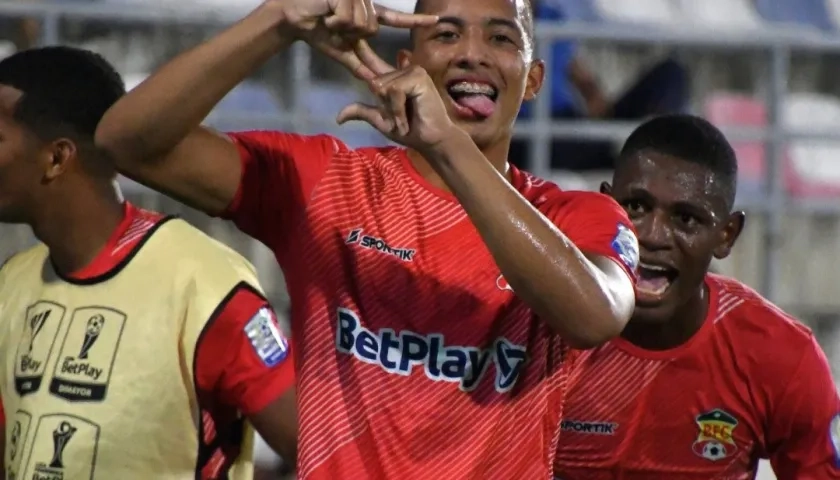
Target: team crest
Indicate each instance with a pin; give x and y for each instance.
(714, 441)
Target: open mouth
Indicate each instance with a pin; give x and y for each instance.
(654, 281)
(473, 99)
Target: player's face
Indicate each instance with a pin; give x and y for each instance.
(20, 172)
(682, 222)
(481, 59)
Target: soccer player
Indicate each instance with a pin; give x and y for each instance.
(708, 377)
(132, 346)
(435, 290)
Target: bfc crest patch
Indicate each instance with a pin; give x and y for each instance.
(714, 440)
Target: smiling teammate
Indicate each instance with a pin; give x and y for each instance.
(708, 377)
(435, 290)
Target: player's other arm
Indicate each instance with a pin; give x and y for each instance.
(244, 361)
(153, 132)
(803, 438)
(585, 298)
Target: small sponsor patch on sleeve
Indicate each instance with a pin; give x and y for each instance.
(834, 438)
(268, 341)
(626, 246)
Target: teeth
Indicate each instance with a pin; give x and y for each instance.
(653, 268)
(475, 88)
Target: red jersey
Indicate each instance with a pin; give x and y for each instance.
(413, 354)
(231, 375)
(751, 383)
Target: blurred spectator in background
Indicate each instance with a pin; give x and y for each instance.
(575, 94)
(23, 32)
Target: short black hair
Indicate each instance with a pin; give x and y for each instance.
(689, 138)
(66, 90)
(528, 21)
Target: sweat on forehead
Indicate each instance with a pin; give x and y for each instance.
(671, 178)
(688, 138)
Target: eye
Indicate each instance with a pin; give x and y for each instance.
(688, 220)
(634, 207)
(446, 35)
(501, 38)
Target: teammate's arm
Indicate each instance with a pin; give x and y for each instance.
(803, 438)
(244, 361)
(586, 299)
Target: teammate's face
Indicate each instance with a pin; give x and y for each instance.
(20, 173)
(481, 59)
(682, 221)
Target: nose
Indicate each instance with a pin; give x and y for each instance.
(471, 50)
(654, 231)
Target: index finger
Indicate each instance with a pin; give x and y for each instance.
(371, 60)
(397, 19)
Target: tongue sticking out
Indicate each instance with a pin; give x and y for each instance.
(481, 105)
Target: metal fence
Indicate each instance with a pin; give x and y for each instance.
(775, 45)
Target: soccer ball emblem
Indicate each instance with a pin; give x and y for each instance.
(714, 451)
(95, 324)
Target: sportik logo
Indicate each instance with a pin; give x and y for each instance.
(357, 236)
(400, 353)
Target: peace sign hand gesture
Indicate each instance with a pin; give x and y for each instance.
(334, 26)
(411, 110)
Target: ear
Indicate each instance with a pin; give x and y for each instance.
(58, 155)
(606, 188)
(730, 233)
(403, 58)
(534, 82)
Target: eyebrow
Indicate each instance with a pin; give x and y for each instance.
(492, 22)
(699, 208)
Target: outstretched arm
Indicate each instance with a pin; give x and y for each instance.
(153, 133)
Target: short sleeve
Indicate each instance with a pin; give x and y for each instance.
(243, 359)
(279, 173)
(597, 225)
(803, 438)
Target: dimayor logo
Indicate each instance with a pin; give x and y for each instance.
(400, 353)
(714, 441)
(357, 236)
(87, 354)
(626, 246)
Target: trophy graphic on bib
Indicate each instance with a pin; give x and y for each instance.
(61, 436)
(94, 328)
(36, 323)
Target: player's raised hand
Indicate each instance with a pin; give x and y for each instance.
(335, 26)
(411, 111)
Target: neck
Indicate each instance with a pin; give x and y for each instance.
(496, 154)
(77, 226)
(677, 330)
